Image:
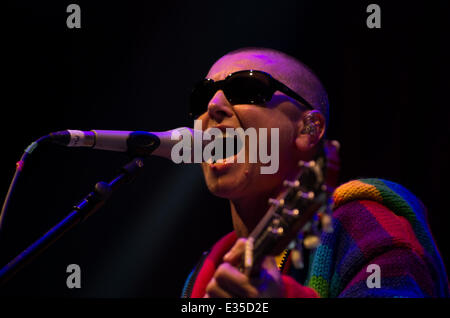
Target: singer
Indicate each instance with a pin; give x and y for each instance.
(379, 244)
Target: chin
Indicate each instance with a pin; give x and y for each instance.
(230, 184)
(240, 181)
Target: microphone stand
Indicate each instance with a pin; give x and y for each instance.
(90, 204)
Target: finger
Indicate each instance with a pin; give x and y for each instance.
(234, 256)
(213, 290)
(235, 283)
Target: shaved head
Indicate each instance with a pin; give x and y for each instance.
(291, 72)
(293, 131)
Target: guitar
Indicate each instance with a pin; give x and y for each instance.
(292, 216)
(300, 213)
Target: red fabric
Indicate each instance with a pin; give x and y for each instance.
(212, 261)
(396, 226)
(292, 289)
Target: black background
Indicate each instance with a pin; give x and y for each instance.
(131, 66)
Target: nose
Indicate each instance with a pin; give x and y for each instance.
(219, 107)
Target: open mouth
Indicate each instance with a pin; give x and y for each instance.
(226, 149)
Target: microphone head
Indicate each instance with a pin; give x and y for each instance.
(191, 139)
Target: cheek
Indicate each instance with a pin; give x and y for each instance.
(231, 185)
(279, 130)
(259, 117)
(201, 123)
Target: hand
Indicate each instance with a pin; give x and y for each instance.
(229, 282)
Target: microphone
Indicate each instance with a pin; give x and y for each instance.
(140, 143)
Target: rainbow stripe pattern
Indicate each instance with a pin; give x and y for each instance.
(378, 222)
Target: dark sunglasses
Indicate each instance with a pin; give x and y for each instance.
(243, 87)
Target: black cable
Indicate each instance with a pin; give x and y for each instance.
(19, 167)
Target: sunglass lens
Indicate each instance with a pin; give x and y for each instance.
(200, 97)
(247, 89)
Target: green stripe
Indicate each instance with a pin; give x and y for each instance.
(320, 285)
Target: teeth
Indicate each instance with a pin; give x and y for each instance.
(236, 144)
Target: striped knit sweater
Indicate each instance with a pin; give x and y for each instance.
(375, 222)
(378, 222)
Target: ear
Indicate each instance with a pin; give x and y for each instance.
(310, 129)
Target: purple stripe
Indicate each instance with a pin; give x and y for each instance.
(397, 263)
(370, 237)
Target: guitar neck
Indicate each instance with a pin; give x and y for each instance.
(286, 216)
